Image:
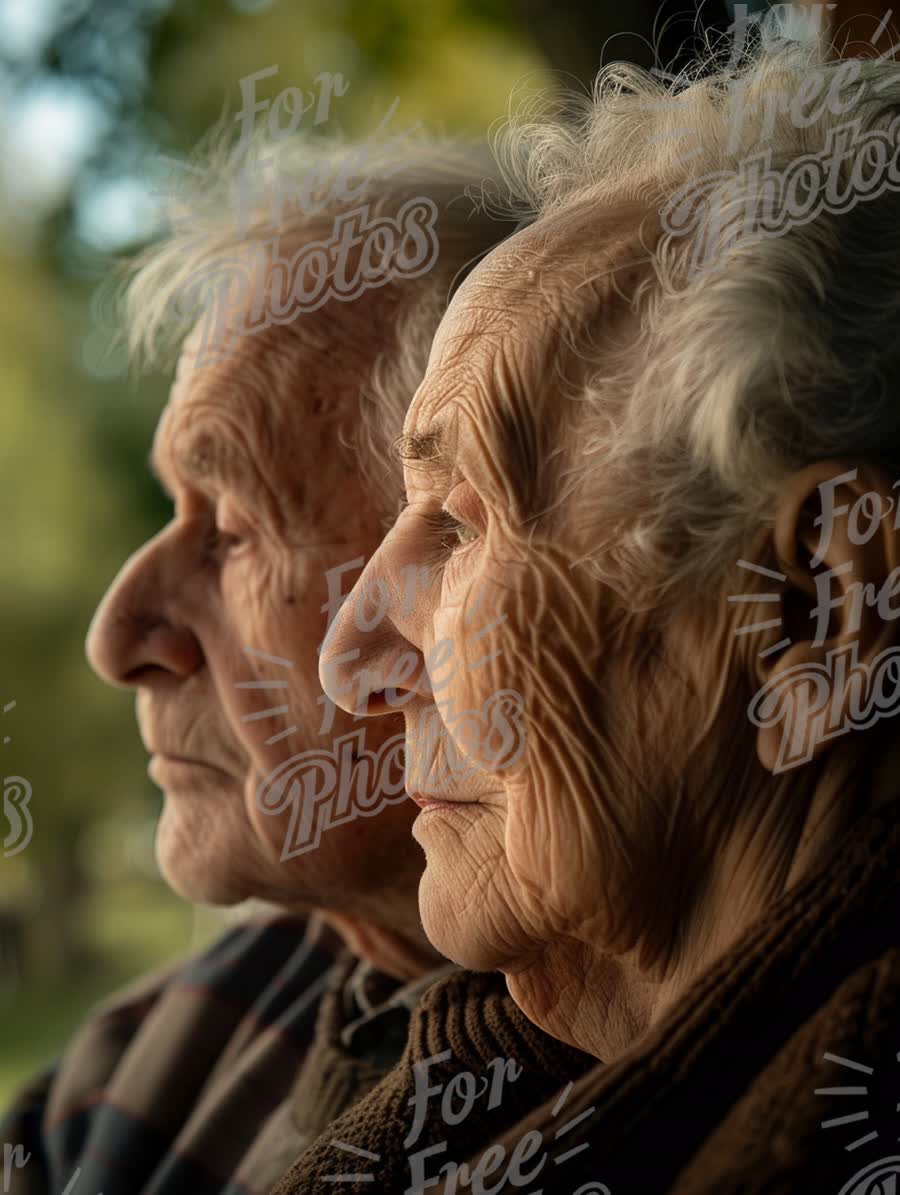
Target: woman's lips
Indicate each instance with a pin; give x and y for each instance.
(432, 802)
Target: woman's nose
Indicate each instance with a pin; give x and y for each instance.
(366, 664)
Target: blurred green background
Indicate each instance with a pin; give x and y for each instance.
(90, 95)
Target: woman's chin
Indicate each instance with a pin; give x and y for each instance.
(454, 928)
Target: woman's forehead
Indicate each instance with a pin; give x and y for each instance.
(487, 322)
(534, 292)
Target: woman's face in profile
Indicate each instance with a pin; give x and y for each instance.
(507, 634)
(533, 711)
(500, 704)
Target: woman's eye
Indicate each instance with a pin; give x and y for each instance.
(458, 534)
(464, 515)
(464, 534)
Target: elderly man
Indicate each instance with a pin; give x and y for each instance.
(657, 451)
(273, 449)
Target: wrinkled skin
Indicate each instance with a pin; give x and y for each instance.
(641, 829)
(242, 565)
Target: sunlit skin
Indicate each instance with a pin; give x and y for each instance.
(642, 829)
(265, 502)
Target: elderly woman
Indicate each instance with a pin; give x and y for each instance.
(650, 474)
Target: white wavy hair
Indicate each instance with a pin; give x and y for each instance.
(785, 353)
(212, 222)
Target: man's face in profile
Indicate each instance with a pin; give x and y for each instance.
(217, 621)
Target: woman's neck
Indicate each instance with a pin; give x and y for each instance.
(605, 1002)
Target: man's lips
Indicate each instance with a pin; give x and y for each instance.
(168, 761)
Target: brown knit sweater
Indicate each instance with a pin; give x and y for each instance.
(728, 1094)
(469, 1020)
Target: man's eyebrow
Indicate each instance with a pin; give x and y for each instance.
(202, 460)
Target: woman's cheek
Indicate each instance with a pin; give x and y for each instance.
(459, 570)
(533, 866)
(462, 625)
(546, 846)
(445, 659)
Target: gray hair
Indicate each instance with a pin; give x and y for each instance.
(783, 352)
(215, 228)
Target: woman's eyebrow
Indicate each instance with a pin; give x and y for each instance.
(421, 446)
(429, 448)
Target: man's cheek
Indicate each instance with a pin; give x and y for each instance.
(264, 579)
(293, 608)
(270, 614)
(269, 828)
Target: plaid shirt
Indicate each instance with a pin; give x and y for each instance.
(182, 1082)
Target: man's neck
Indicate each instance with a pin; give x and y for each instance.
(404, 955)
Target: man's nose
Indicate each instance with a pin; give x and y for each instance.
(135, 632)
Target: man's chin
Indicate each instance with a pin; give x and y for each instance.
(199, 889)
(198, 862)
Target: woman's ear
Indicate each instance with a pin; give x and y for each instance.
(829, 664)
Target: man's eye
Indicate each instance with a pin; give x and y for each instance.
(231, 529)
(220, 541)
(228, 539)
(224, 537)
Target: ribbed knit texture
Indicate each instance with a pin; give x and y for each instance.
(472, 1016)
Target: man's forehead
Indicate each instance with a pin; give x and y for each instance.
(221, 413)
(265, 415)
(213, 388)
(191, 446)
(213, 356)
